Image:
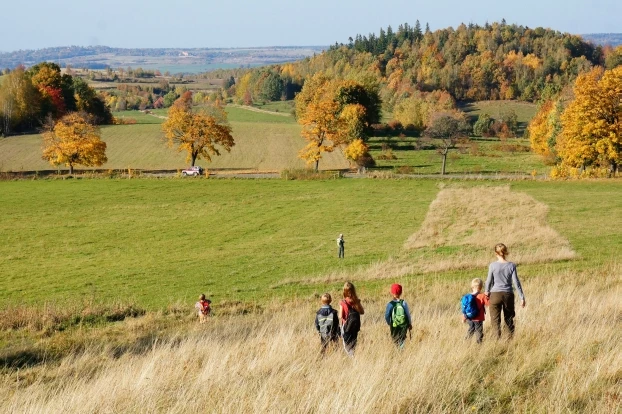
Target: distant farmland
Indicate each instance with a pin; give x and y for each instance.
(264, 142)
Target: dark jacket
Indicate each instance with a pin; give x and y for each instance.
(324, 312)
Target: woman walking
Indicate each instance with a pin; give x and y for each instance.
(501, 276)
(350, 311)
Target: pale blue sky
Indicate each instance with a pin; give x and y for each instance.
(238, 23)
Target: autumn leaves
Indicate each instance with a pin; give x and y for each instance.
(583, 134)
(333, 114)
(200, 134)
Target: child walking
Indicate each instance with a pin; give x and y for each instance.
(397, 316)
(350, 311)
(203, 308)
(327, 323)
(473, 310)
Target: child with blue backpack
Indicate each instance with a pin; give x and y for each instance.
(397, 316)
(327, 323)
(473, 310)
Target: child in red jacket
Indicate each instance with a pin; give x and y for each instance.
(203, 308)
(476, 324)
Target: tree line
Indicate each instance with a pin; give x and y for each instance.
(31, 98)
(471, 62)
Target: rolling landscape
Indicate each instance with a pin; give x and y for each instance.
(423, 148)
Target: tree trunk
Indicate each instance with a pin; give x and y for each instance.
(317, 165)
(194, 158)
(70, 169)
(444, 163)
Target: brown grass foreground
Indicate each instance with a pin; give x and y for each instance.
(564, 358)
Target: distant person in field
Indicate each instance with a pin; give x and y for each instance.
(327, 323)
(473, 310)
(350, 311)
(341, 246)
(203, 307)
(501, 276)
(397, 316)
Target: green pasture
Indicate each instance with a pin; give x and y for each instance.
(159, 242)
(480, 156)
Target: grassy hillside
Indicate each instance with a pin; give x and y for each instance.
(264, 251)
(157, 242)
(263, 141)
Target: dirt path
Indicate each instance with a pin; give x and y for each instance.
(253, 109)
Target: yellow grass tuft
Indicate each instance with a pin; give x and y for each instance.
(564, 358)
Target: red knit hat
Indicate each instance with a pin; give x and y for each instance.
(396, 289)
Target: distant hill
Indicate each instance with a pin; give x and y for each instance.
(604, 39)
(101, 57)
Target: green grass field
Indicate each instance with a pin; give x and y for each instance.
(158, 242)
(263, 142)
(525, 111)
(483, 156)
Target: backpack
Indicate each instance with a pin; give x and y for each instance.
(353, 321)
(326, 325)
(469, 306)
(398, 315)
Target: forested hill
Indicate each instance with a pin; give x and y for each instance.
(495, 61)
(490, 62)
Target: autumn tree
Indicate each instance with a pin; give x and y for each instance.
(74, 140)
(323, 129)
(447, 131)
(201, 134)
(592, 122)
(544, 129)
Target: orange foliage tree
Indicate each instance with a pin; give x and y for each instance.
(329, 116)
(201, 134)
(74, 141)
(592, 123)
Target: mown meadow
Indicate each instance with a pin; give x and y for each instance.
(264, 142)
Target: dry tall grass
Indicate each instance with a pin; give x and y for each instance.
(564, 358)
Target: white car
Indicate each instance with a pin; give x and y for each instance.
(192, 171)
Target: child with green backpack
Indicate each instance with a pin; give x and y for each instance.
(397, 316)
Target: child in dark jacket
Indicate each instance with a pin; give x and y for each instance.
(327, 323)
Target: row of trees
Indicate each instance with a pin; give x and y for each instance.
(29, 97)
(582, 129)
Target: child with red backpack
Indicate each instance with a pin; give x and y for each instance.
(397, 316)
(350, 311)
(473, 310)
(203, 308)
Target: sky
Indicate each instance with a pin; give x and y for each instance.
(258, 23)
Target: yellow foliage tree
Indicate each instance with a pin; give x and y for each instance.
(74, 141)
(201, 134)
(323, 129)
(592, 123)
